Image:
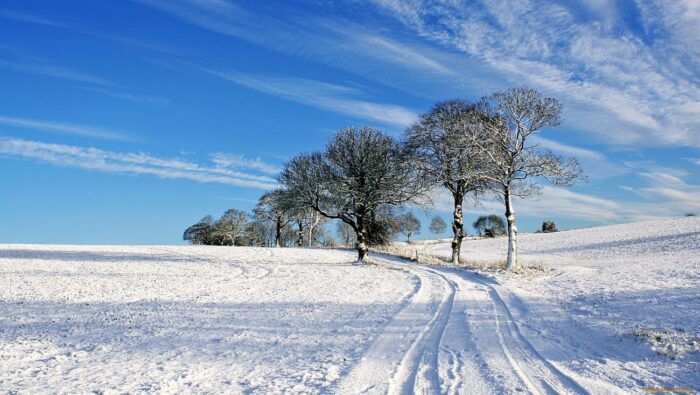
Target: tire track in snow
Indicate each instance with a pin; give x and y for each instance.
(540, 374)
(418, 370)
(388, 352)
(466, 341)
(243, 269)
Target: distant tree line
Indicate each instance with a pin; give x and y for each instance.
(364, 177)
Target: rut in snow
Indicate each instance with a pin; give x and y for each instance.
(455, 335)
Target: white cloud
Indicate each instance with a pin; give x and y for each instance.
(553, 202)
(130, 97)
(55, 71)
(129, 163)
(566, 203)
(664, 195)
(67, 128)
(41, 20)
(368, 51)
(329, 97)
(365, 43)
(625, 89)
(669, 193)
(239, 161)
(595, 165)
(29, 18)
(618, 87)
(566, 149)
(664, 179)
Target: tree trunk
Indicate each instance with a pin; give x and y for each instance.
(315, 219)
(362, 239)
(300, 242)
(278, 231)
(512, 260)
(457, 228)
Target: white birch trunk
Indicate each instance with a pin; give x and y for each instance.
(512, 260)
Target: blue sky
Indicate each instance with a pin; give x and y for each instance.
(127, 121)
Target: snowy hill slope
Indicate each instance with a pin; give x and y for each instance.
(610, 300)
(614, 310)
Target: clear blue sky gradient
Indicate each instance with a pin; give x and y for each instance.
(125, 122)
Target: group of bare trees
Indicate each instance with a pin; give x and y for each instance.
(469, 149)
(281, 214)
(473, 149)
(233, 228)
(363, 175)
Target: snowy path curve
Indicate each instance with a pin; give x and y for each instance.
(456, 335)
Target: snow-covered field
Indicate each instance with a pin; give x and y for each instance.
(181, 319)
(613, 309)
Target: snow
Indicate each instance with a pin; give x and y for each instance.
(174, 319)
(608, 310)
(596, 290)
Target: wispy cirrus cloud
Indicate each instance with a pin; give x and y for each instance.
(622, 88)
(90, 158)
(594, 163)
(338, 42)
(25, 63)
(664, 193)
(137, 98)
(225, 160)
(330, 97)
(552, 203)
(65, 128)
(127, 41)
(56, 71)
(30, 18)
(618, 87)
(670, 190)
(88, 81)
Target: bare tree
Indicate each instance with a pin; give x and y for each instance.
(269, 208)
(437, 226)
(315, 225)
(256, 233)
(409, 225)
(299, 213)
(299, 219)
(512, 117)
(231, 227)
(443, 142)
(200, 233)
(489, 226)
(359, 171)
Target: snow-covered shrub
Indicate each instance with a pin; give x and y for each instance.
(670, 343)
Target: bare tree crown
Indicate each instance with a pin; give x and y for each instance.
(515, 115)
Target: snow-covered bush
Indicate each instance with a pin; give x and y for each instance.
(671, 343)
